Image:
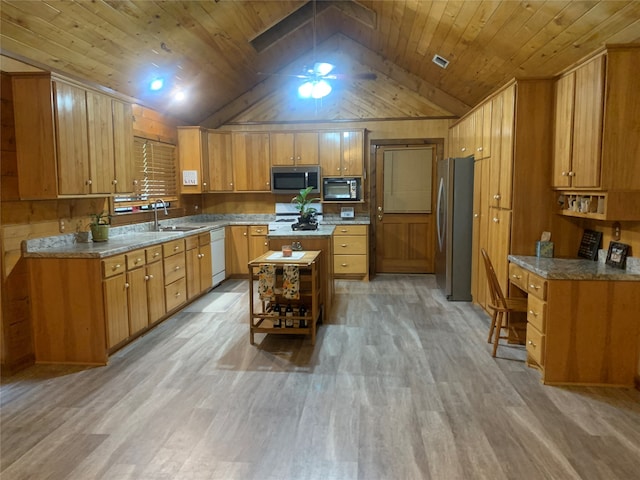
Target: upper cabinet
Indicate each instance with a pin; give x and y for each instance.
(220, 162)
(251, 161)
(193, 158)
(289, 148)
(597, 137)
(70, 141)
(342, 153)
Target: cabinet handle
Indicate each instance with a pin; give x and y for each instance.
(535, 287)
(266, 244)
(177, 268)
(138, 260)
(114, 182)
(517, 277)
(496, 220)
(532, 344)
(204, 184)
(177, 247)
(343, 264)
(231, 184)
(156, 254)
(89, 182)
(479, 149)
(533, 313)
(343, 245)
(572, 174)
(147, 277)
(476, 215)
(244, 233)
(564, 174)
(259, 230)
(344, 230)
(177, 294)
(126, 285)
(463, 149)
(116, 267)
(496, 196)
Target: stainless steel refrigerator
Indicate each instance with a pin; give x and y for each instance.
(454, 227)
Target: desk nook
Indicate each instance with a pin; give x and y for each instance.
(582, 319)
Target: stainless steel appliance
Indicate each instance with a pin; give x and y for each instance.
(454, 227)
(293, 179)
(287, 215)
(341, 189)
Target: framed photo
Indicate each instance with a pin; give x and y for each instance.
(617, 255)
(590, 244)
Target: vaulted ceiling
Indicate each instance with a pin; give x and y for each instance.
(236, 59)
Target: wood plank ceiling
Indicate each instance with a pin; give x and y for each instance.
(219, 51)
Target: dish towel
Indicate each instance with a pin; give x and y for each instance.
(290, 281)
(266, 282)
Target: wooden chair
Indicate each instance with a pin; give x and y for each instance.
(499, 304)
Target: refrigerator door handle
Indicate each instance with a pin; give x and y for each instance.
(440, 218)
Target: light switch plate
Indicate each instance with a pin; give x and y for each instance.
(347, 212)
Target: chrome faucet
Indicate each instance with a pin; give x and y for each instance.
(156, 225)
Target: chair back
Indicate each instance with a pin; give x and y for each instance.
(497, 297)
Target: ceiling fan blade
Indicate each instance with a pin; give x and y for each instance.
(355, 76)
(322, 68)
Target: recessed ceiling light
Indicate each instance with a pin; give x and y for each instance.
(156, 84)
(440, 61)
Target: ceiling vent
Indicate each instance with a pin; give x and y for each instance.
(440, 61)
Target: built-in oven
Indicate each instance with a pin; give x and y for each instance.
(342, 189)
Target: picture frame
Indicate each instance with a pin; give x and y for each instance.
(590, 244)
(617, 254)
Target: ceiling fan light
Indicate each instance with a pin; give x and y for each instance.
(322, 68)
(305, 90)
(320, 89)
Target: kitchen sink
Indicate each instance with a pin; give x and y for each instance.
(179, 228)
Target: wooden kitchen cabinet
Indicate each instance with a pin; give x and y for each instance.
(137, 291)
(351, 251)
(70, 141)
(595, 132)
(251, 161)
(193, 156)
(198, 264)
(115, 300)
(294, 148)
(220, 162)
(502, 121)
(258, 243)
(244, 243)
(341, 153)
(175, 284)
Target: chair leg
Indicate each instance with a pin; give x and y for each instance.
(493, 326)
(498, 330)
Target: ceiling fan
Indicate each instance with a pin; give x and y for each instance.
(316, 78)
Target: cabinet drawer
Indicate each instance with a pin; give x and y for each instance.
(537, 286)
(176, 293)
(171, 248)
(518, 276)
(350, 245)
(204, 239)
(350, 230)
(135, 259)
(258, 230)
(535, 344)
(153, 253)
(173, 268)
(349, 264)
(191, 242)
(113, 266)
(537, 313)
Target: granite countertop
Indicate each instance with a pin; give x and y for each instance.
(575, 269)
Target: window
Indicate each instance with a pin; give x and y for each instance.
(155, 170)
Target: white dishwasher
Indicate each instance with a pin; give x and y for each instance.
(217, 255)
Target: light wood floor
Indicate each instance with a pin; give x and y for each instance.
(400, 385)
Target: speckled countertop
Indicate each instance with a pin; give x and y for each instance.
(131, 237)
(577, 269)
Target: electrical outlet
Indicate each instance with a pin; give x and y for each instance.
(62, 225)
(616, 231)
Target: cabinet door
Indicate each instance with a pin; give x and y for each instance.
(237, 250)
(155, 291)
(258, 245)
(192, 146)
(115, 305)
(306, 148)
(101, 153)
(496, 150)
(467, 137)
(506, 147)
(73, 149)
(454, 140)
(352, 153)
(562, 130)
(499, 242)
(125, 170)
(251, 164)
(486, 129)
(220, 162)
(587, 124)
(206, 267)
(193, 273)
(137, 300)
(282, 152)
(329, 146)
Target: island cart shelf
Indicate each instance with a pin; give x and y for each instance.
(262, 313)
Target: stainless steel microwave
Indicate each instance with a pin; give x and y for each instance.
(342, 189)
(293, 179)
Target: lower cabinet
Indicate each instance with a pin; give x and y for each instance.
(244, 243)
(351, 251)
(198, 264)
(83, 309)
